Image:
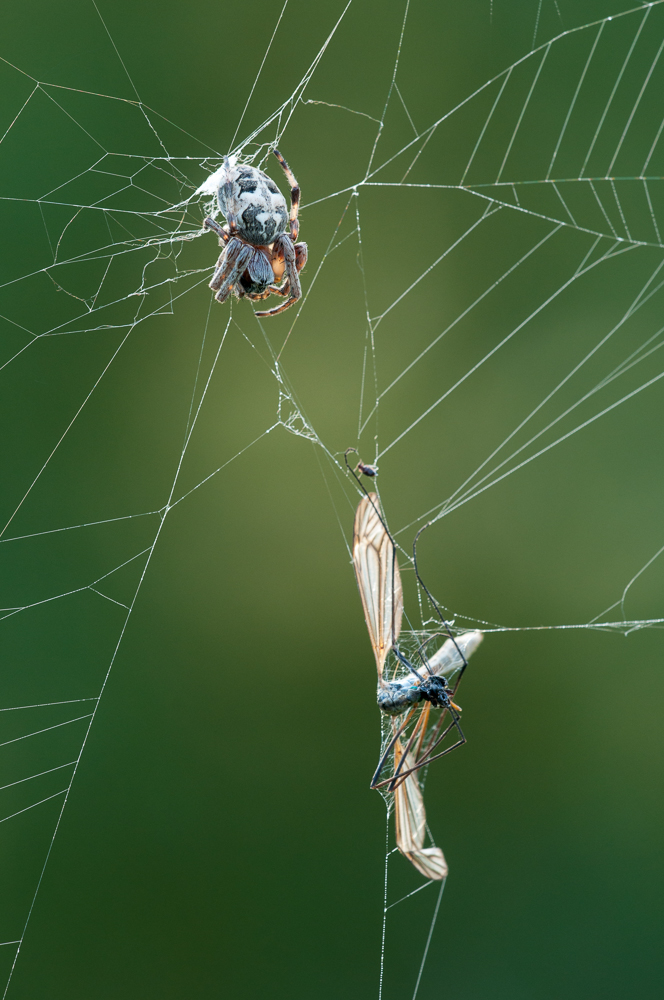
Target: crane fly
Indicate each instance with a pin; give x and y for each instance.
(408, 694)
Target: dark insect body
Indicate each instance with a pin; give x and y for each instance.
(394, 697)
(368, 470)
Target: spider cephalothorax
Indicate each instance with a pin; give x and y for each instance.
(259, 238)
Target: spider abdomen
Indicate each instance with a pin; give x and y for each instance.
(252, 203)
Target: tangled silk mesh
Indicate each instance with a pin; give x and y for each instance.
(121, 247)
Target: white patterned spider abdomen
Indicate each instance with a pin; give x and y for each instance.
(260, 254)
(254, 207)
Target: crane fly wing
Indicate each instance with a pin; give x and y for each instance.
(411, 823)
(448, 659)
(378, 578)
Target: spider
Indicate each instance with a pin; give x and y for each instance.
(257, 248)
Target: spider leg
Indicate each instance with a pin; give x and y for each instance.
(217, 277)
(277, 309)
(301, 254)
(295, 257)
(216, 228)
(293, 222)
(226, 256)
(282, 289)
(300, 261)
(232, 263)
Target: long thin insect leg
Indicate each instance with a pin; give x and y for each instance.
(458, 680)
(426, 757)
(417, 732)
(435, 739)
(432, 744)
(426, 709)
(402, 659)
(433, 736)
(381, 762)
(421, 649)
(424, 763)
(367, 495)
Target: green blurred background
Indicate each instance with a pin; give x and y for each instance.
(220, 838)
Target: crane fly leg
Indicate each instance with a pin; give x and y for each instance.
(381, 762)
(417, 734)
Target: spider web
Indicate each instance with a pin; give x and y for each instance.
(522, 183)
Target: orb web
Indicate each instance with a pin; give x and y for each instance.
(526, 182)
